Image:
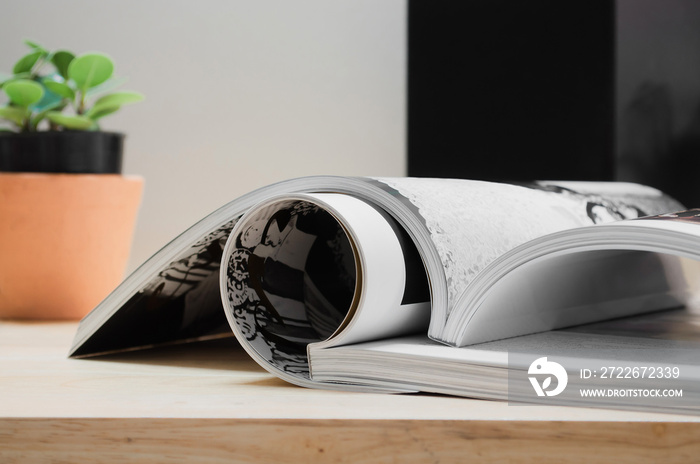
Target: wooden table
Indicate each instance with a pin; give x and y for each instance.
(209, 403)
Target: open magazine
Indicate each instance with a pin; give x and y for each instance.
(412, 284)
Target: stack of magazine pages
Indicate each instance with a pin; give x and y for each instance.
(577, 293)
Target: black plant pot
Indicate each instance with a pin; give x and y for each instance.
(78, 152)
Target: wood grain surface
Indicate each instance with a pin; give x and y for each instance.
(209, 403)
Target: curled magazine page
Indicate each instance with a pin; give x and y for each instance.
(315, 269)
(174, 296)
(179, 302)
(581, 276)
(471, 223)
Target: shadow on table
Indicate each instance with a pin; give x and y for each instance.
(223, 353)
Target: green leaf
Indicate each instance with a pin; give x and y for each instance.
(103, 112)
(49, 103)
(69, 122)
(27, 62)
(16, 77)
(34, 45)
(90, 70)
(61, 89)
(116, 99)
(62, 60)
(106, 86)
(14, 114)
(24, 92)
(50, 99)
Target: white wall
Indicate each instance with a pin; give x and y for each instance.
(239, 94)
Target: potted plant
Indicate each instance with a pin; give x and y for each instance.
(66, 211)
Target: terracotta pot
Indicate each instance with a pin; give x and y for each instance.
(64, 241)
